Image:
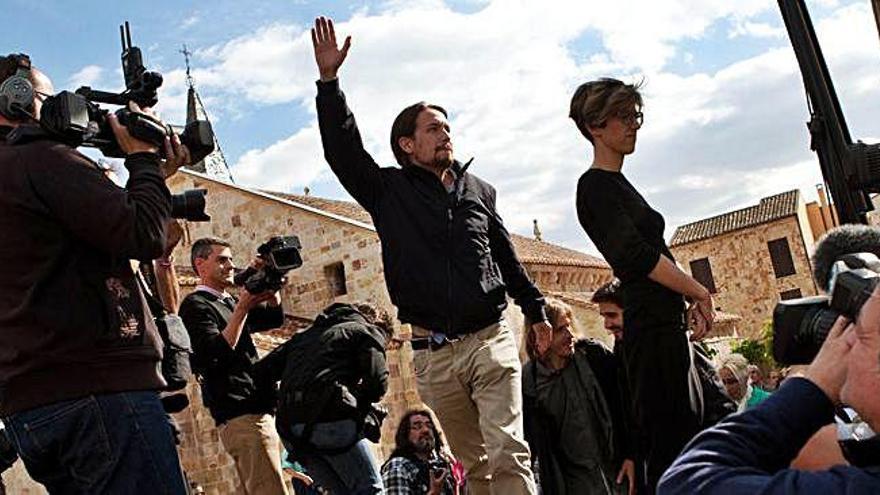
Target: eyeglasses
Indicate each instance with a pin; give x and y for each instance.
(418, 425)
(730, 381)
(631, 119)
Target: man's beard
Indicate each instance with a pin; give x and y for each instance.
(425, 444)
(444, 161)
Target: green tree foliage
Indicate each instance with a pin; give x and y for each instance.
(758, 351)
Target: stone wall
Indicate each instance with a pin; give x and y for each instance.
(743, 271)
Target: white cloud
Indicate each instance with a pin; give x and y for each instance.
(89, 75)
(299, 159)
(757, 30)
(190, 21)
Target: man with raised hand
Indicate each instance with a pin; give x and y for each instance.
(449, 265)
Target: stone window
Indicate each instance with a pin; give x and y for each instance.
(780, 255)
(702, 271)
(790, 294)
(335, 276)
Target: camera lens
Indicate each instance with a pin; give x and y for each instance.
(800, 326)
(190, 205)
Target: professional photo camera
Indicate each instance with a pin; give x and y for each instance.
(76, 119)
(280, 255)
(190, 205)
(800, 326)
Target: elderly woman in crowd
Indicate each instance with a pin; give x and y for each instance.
(734, 372)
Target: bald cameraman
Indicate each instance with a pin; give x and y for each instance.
(750, 452)
(79, 352)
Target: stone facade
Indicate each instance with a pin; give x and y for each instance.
(742, 269)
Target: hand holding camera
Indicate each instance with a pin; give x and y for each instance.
(176, 155)
(249, 301)
(277, 256)
(828, 369)
(438, 470)
(128, 143)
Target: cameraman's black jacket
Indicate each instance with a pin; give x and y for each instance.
(73, 321)
(229, 388)
(447, 256)
(333, 370)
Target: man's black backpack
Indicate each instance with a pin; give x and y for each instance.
(313, 381)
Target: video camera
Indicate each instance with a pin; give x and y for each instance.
(280, 255)
(76, 118)
(800, 326)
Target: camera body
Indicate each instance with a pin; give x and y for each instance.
(78, 121)
(800, 326)
(280, 255)
(436, 466)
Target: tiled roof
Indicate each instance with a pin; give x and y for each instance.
(544, 253)
(342, 208)
(529, 250)
(769, 209)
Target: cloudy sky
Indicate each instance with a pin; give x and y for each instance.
(724, 115)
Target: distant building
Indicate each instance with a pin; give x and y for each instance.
(751, 258)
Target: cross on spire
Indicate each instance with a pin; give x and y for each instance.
(213, 165)
(186, 54)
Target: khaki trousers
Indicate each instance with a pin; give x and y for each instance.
(252, 442)
(474, 386)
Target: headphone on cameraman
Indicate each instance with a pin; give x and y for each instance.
(17, 91)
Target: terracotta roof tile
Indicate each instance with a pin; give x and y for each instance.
(342, 208)
(529, 250)
(538, 252)
(769, 209)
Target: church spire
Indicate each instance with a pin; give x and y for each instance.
(213, 165)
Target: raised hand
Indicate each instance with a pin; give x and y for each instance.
(328, 55)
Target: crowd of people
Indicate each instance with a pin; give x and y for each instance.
(80, 382)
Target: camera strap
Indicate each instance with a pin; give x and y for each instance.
(155, 305)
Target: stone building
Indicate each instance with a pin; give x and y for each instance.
(751, 258)
(342, 262)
